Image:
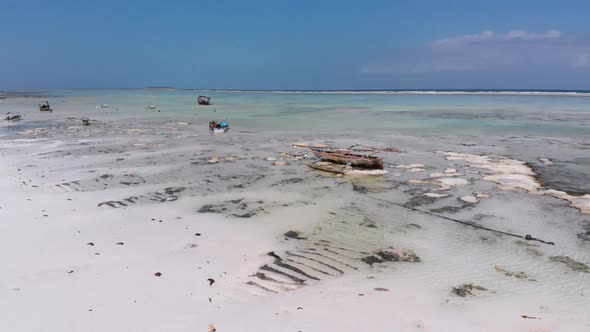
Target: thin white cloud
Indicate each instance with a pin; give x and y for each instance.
(583, 60)
(489, 36)
(488, 51)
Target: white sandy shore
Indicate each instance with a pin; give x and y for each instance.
(64, 269)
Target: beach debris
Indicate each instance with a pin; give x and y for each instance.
(529, 237)
(279, 163)
(517, 275)
(10, 116)
(391, 255)
(381, 289)
(120, 243)
(294, 235)
(211, 328)
(468, 289)
(529, 317)
(348, 157)
(90, 244)
(211, 281)
(197, 234)
(270, 159)
(345, 169)
(158, 274)
(70, 271)
(306, 145)
(572, 264)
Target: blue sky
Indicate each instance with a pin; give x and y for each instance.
(295, 44)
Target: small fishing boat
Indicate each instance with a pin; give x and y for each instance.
(348, 157)
(218, 126)
(150, 107)
(13, 117)
(44, 107)
(102, 106)
(345, 169)
(204, 100)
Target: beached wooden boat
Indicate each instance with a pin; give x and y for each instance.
(218, 126)
(345, 169)
(347, 157)
(204, 100)
(44, 107)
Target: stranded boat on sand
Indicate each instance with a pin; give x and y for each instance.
(44, 107)
(348, 157)
(218, 126)
(204, 100)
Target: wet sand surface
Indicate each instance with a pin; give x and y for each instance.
(154, 224)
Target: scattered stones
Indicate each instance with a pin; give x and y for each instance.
(573, 264)
(158, 274)
(120, 243)
(198, 234)
(211, 281)
(211, 209)
(381, 289)
(391, 255)
(467, 289)
(90, 244)
(529, 317)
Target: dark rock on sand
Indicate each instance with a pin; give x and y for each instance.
(447, 209)
(574, 265)
(467, 289)
(419, 201)
(294, 235)
(211, 209)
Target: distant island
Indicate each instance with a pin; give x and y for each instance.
(160, 87)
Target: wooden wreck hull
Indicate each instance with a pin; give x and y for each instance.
(345, 170)
(349, 159)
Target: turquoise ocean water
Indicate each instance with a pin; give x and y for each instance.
(561, 115)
